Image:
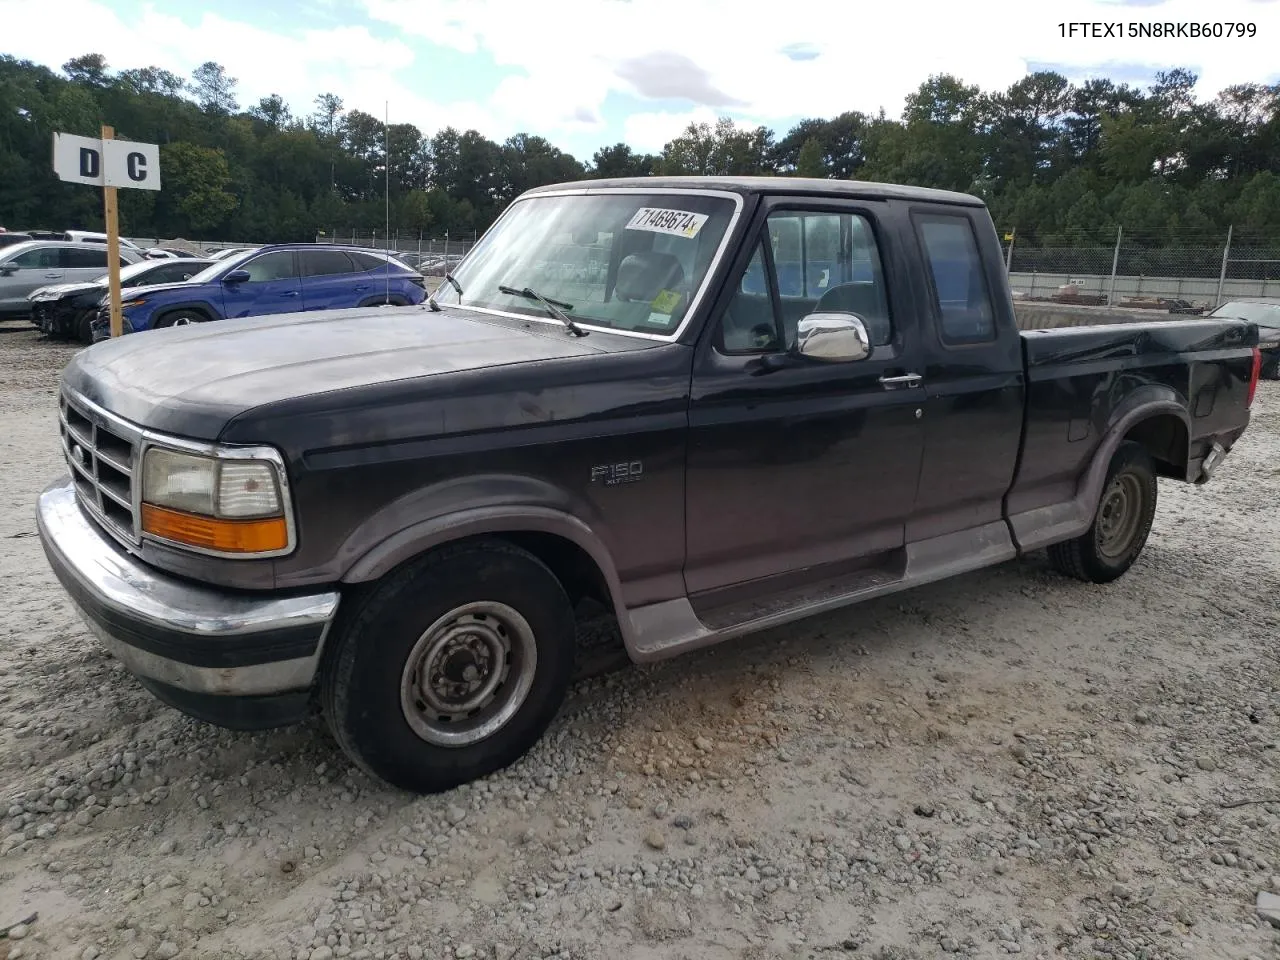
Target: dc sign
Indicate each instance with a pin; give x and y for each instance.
(110, 164)
(106, 163)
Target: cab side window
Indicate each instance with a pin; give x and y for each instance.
(821, 263)
(87, 257)
(959, 284)
(749, 324)
(42, 258)
(325, 263)
(271, 266)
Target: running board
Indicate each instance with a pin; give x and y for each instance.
(661, 630)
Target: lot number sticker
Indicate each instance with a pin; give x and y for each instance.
(677, 223)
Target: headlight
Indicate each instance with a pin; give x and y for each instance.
(225, 505)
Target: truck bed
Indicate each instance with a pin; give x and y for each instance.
(1081, 381)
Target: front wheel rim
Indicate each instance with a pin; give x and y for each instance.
(468, 674)
(1119, 516)
(182, 321)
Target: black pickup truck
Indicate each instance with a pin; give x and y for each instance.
(714, 405)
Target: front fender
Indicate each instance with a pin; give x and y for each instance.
(470, 506)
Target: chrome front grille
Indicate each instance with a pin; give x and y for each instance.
(102, 452)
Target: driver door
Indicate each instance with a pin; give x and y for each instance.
(803, 463)
(273, 286)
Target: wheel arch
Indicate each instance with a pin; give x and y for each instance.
(1154, 415)
(566, 543)
(198, 306)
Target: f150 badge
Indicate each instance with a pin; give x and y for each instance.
(612, 474)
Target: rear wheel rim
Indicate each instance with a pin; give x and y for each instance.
(468, 674)
(1119, 516)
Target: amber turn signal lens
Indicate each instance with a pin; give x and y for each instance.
(225, 536)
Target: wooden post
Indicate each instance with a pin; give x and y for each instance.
(112, 218)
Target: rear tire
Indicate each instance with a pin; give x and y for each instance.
(1121, 524)
(451, 667)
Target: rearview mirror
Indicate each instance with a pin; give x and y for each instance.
(236, 276)
(834, 337)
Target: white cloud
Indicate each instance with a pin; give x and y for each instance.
(568, 57)
(868, 56)
(347, 60)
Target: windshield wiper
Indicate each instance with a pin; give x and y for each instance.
(431, 300)
(553, 306)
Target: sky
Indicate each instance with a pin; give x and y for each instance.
(586, 73)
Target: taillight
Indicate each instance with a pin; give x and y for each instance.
(1254, 374)
(418, 279)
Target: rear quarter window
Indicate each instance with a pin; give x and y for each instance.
(960, 289)
(367, 261)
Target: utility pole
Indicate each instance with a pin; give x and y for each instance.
(1115, 264)
(1222, 274)
(111, 217)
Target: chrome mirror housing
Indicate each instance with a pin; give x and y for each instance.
(833, 337)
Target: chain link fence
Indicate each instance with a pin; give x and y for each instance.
(1146, 271)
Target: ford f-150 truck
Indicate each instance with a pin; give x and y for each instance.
(714, 405)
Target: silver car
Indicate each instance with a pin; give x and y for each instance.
(42, 263)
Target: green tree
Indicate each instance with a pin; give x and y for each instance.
(196, 181)
(620, 160)
(214, 90)
(809, 163)
(720, 150)
(90, 69)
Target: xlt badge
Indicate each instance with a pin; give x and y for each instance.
(612, 474)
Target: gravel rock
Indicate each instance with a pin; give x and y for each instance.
(1268, 907)
(802, 793)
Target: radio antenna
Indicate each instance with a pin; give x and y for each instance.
(386, 141)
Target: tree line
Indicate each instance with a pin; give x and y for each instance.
(1057, 162)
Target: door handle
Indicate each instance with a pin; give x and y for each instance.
(903, 380)
(52, 276)
(291, 293)
(362, 286)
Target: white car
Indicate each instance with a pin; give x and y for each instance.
(45, 263)
(89, 236)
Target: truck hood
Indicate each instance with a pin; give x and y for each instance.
(192, 380)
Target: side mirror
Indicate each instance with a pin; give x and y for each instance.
(8, 269)
(833, 337)
(236, 276)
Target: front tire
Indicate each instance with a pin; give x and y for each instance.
(84, 325)
(181, 318)
(1121, 524)
(451, 667)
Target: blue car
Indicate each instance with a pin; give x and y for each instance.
(283, 278)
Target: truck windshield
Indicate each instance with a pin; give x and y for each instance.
(625, 261)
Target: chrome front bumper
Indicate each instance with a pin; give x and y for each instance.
(191, 638)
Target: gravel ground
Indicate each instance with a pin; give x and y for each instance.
(1008, 762)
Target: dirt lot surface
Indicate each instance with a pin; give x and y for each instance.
(1005, 763)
